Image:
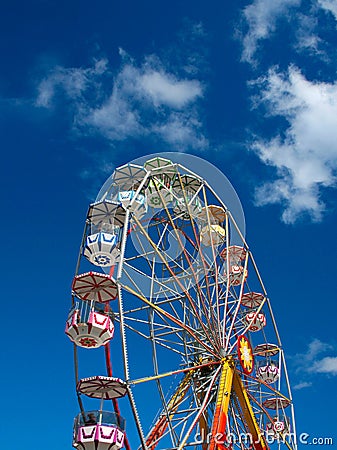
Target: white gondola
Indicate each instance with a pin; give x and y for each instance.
(159, 189)
(255, 321)
(107, 434)
(278, 427)
(89, 329)
(186, 206)
(136, 204)
(158, 193)
(235, 255)
(237, 274)
(268, 373)
(212, 234)
(100, 430)
(186, 202)
(280, 423)
(101, 249)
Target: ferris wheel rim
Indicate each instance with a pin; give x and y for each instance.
(199, 310)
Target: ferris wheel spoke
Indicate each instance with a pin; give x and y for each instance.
(233, 319)
(204, 312)
(188, 370)
(160, 329)
(170, 414)
(207, 312)
(188, 256)
(162, 287)
(161, 332)
(173, 319)
(191, 301)
(215, 267)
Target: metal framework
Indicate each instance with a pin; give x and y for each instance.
(196, 327)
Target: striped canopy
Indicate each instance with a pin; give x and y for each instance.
(102, 387)
(93, 286)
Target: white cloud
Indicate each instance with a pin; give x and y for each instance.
(329, 5)
(140, 101)
(72, 81)
(115, 119)
(181, 130)
(305, 155)
(306, 34)
(312, 361)
(302, 385)
(326, 365)
(261, 17)
(310, 30)
(315, 348)
(165, 89)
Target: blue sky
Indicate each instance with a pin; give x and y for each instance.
(84, 88)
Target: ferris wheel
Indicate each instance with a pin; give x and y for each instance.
(165, 273)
